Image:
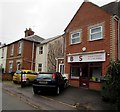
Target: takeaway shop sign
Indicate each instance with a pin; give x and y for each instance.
(92, 57)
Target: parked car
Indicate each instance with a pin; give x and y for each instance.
(49, 82)
(28, 76)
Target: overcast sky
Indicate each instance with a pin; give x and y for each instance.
(47, 18)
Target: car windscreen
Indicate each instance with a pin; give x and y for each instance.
(45, 76)
(18, 72)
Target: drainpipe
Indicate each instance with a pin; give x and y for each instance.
(116, 18)
(32, 56)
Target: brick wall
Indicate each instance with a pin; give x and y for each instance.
(89, 15)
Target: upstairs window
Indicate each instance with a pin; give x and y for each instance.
(41, 50)
(75, 38)
(19, 47)
(12, 50)
(96, 33)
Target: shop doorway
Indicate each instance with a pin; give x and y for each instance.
(84, 75)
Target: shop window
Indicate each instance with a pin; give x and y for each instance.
(95, 72)
(75, 72)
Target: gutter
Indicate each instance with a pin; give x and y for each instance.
(116, 18)
(32, 56)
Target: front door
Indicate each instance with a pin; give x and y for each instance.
(84, 75)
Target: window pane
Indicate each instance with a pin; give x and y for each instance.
(96, 33)
(75, 38)
(98, 29)
(75, 35)
(75, 71)
(39, 67)
(96, 36)
(95, 72)
(61, 69)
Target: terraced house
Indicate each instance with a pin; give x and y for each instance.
(21, 53)
(50, 55)
(92, 40)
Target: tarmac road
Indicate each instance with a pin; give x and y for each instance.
(70, 99)
(39, 101)
(10, 102)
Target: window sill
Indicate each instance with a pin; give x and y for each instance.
(75, 43)
(95, 40)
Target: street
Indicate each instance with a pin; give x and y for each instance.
(70, 99)
(11, 102)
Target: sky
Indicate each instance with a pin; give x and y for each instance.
(47, 18)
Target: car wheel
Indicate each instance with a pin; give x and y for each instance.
(15, 82)
(58, 90)
(27, 82)
(35, 91)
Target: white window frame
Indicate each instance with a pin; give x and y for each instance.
(18, 65)
(41, 50)
(19, 47)
(40, 67)
(61, 71)
(101, 31)
(12, 50)
(75, 37)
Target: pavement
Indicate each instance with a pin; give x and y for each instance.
(79, 98)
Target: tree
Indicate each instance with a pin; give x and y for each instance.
(55, 50)
(114, 82)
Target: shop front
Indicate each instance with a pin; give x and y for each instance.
(86, 68)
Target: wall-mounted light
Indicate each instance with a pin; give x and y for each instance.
(84, 49)
(108, 54)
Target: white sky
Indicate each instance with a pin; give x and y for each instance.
(47, 18)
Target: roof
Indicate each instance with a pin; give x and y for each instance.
(34, 38)
(50, 39)
(112, 8)
(78, 11)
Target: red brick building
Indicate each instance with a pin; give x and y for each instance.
(92, 41)
(21, 53)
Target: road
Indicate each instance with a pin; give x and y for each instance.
(11, 102)
(42, 102)
(69, 99)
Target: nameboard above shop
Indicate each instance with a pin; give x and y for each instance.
(88, 57)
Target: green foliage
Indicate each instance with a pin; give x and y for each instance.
(114, 82)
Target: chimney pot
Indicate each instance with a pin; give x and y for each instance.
(29, 32)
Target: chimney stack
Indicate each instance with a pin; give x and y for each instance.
(29, 32)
